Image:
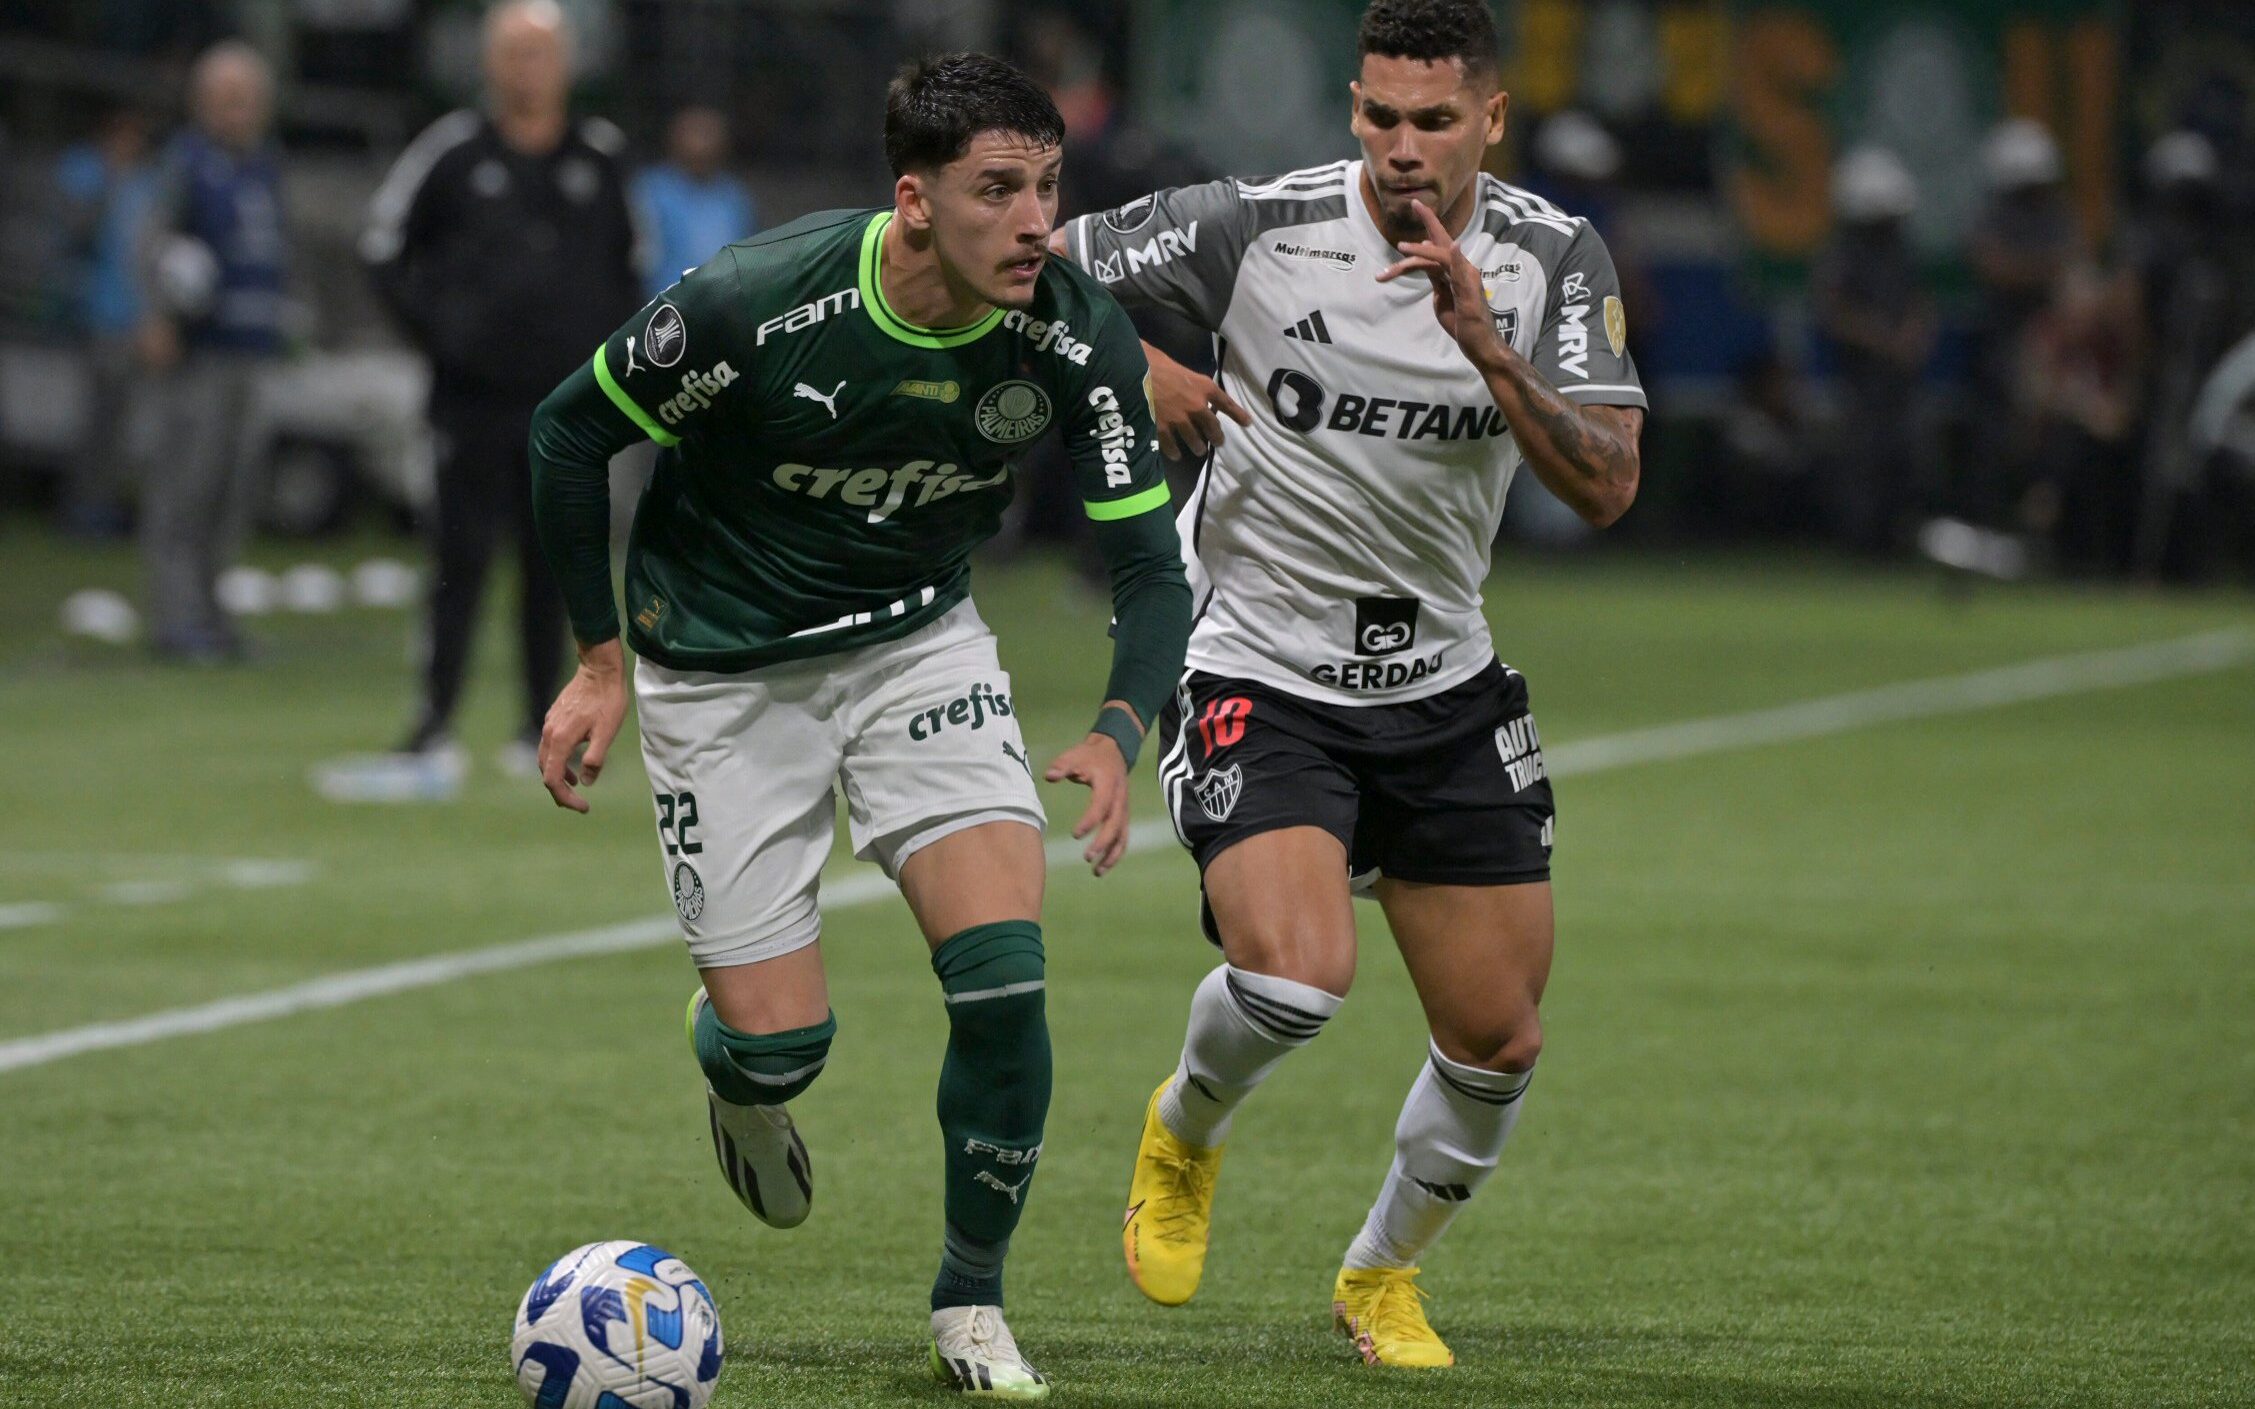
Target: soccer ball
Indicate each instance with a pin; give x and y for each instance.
(618, 1325)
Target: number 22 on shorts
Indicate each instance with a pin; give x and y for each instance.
(677, 817)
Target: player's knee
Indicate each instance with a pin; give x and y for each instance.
(1302, 955)
(759, 1069)
(994, 980)
(1286, 1011)
(1503, 1042)
(995, 1080)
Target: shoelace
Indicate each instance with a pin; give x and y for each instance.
(1189, 1188)
(989, 1337)
(1398, 1311)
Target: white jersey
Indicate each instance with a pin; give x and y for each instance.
(1338, 545)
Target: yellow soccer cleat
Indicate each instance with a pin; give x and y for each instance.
(1382, 1310)
(1170, 1211)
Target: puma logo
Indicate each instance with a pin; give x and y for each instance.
(1023, 761)
(830, 401)
(630, 367)
(1011, 1189)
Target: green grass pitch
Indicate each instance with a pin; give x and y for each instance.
(1911, 1065)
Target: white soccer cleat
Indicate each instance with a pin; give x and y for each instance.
(764, 1160)
(973, 1352)
(759, 1149)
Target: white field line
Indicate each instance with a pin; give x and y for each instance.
(2049, 678)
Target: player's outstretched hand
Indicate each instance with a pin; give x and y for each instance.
(1460, 300)
(1097, 761)
(1187, 407)
(589, 711)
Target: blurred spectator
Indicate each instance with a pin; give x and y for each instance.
(2077, 387)
(503, 243)
(2180, 256)
(2023, 242)
(1767, 474)
(690, 204)
(1110, 160)
(105, 185)
(214, 264)
(1879, 324)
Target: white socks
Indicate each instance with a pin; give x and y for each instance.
(1448, 1139)
(1241, 1025)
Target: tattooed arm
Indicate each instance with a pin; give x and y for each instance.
(1586, 455)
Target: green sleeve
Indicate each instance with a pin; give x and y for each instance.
(575, 433)
(1122, 482)
(1151, 618)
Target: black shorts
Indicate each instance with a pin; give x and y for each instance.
(1448, 790)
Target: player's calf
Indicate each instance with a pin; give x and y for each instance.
(749, 1078)
(993, 1099)
(1447, 1142)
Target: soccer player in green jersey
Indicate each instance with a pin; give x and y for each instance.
(841, 402)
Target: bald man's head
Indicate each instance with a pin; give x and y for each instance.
(527, 57)
(231, 94)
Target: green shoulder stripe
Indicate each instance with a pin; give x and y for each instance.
(625, 403)
(1153, 498)
(891, 323)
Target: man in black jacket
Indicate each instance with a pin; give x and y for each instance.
(502, 241)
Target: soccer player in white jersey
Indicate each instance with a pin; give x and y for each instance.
(1407, 332)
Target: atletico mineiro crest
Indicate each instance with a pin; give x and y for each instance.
(1218, 790)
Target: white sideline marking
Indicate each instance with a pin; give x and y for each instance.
(1833, 714)
(29, 913)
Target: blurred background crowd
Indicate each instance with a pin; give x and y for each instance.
(1968, 281)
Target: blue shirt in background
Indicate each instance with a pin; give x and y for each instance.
(688, 219)
(107, 292)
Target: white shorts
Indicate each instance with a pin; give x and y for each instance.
(920, 732)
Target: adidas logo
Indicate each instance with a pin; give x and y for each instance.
(1310, 329)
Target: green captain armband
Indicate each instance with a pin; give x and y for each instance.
(1119, 724)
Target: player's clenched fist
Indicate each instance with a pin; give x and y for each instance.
(589, 711)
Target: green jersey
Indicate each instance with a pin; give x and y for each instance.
(829, 466)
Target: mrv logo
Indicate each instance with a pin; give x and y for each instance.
(1573, 326)
(974, 708)
(883, 492)
(1302, 404)
(1162, 248)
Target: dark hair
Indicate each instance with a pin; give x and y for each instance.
(935, 106)
(1432, 30)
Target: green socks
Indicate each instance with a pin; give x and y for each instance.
(763, 1069)
(993, 1097)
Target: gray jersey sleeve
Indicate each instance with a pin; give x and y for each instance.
(1179, 248)
(1584, 346)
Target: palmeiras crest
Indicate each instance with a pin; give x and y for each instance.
(1218, 791)
(688, 892)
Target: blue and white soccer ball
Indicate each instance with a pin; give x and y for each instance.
(618, 1325)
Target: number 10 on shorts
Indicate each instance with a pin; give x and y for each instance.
(677, 817)
(1223, 722)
